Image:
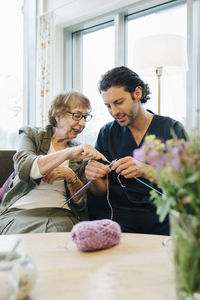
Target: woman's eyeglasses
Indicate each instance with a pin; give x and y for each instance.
(78, 117)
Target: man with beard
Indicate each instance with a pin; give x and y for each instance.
(124, 94)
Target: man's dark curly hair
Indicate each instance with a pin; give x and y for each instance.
(123, 76)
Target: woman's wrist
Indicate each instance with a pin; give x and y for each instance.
(69, 153)
(73, 181)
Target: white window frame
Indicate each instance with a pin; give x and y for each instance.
(193, 75)
(30, 34)
(73, 52)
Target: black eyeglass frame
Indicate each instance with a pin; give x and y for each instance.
(78, 117)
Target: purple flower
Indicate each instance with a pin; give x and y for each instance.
(174, 159)
(139, 154)
(176, 152)
(152, 154)
(176, 164)
(157, 162)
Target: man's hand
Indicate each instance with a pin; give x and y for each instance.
(129, 167)
(96, 170)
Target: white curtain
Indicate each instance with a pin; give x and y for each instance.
(45, 40)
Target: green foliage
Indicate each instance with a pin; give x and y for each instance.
(177, 168)
(177, 172)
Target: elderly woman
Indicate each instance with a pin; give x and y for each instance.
(50, 169)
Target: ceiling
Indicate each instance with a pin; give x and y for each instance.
(70, 12)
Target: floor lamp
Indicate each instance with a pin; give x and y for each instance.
(161, 54)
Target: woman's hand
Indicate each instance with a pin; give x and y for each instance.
(60, 173)
(87, 152)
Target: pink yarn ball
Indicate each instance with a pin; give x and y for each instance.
(94, 235)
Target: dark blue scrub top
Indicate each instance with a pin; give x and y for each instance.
(133, 209)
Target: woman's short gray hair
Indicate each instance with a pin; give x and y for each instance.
(64, 102)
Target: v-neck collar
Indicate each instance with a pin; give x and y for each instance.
(147, 131)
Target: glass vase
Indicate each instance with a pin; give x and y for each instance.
(17, 276)
(26, 270)
(9, 280)
(185, 232)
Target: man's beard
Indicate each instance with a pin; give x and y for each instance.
(131, 120)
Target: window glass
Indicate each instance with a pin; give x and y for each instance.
(11, 72)
(98, 57)
(173, 86)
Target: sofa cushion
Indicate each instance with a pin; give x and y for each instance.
(6, 164)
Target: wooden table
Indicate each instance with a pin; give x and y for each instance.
(138, 268)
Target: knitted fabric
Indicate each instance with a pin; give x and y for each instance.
(94, 235)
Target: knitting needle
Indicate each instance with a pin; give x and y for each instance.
(84, 188)
(148, 185)
(140, 181)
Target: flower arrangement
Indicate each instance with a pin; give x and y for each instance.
(176, 170)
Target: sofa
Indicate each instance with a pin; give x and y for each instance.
(6, 164)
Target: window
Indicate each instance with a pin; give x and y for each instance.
(97, 58)
(173, 87)
(99, 49)
(11, 72)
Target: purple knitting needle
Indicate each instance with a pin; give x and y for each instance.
(85, 187)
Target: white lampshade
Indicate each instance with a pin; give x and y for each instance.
(167, 51)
